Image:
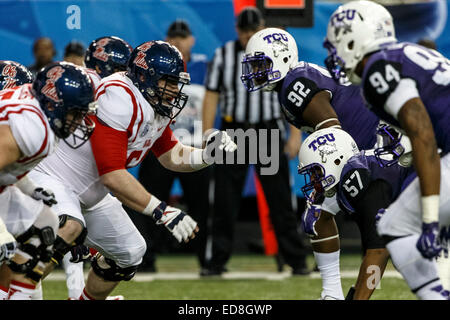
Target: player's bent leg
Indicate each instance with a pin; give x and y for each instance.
(370, 273)
(121, 247)
(35, 250)
(326, 249)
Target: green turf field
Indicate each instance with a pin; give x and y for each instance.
(289, 288)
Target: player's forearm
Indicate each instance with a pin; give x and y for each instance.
(10, 151)
(127, 189)
(26, 185)
(417, 124)
(183, 158)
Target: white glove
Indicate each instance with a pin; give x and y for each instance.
(181, 225)
(225, 141)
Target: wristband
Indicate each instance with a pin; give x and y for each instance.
(196, 159)
(430, 208)
(152, 205)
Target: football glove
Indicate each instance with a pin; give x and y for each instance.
(80, 253)
(310, 217)
(46, 196)
(8, 246)
(428, 243)
(225, 141)
(181, 225)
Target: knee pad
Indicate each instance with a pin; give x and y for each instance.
(108, 270)
(35, 244)
(61, 247)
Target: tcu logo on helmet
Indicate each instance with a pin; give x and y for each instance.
(340, 16)
(100, 53)
(321, 141)
(275, 37)
(49, 90)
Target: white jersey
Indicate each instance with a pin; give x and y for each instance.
(122, 111)
(30, 128)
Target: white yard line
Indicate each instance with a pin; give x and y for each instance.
(145, 277)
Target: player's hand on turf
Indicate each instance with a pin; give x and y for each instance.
(180, 224)
(428, 243)
(47, 196)
(310, 217)
(8, 246)
(80, 253)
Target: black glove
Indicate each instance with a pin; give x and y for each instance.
(80, 253)
(46, 196)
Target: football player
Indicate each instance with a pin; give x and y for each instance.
(310, 100)
(332, 164)
(408, 86)
(104, 56)
(32, 118)
(135, 109)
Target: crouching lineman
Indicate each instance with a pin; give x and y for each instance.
(104, 56)
(135, 109)
(364, 182)
(32, 118)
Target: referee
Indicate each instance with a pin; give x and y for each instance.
(243, 110)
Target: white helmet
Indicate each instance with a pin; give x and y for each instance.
(322, 157)
(269, 55)
(354, 30)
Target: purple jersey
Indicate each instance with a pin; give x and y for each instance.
(361, 170)
(430, 72)
(307, 79)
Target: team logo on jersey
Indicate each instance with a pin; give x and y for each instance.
(146, 129)
(321, 140)
(49, 89)
(99, 52)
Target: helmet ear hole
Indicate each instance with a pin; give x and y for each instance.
(350, 45)
(337, 162)
(285, 59)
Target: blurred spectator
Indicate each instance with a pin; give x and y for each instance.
(74, 52)
(44, 52)
(158, 180)
(428, 43)
(245, 110)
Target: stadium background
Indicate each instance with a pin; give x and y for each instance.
(212, 23)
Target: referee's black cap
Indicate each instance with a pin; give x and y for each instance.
(250, 18)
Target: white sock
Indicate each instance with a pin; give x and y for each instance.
(20, 291)
(74, 276)
(4, 292)
(37, 293)
(421, 274)
(328, 264)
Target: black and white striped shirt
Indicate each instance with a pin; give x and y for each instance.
(236, 103)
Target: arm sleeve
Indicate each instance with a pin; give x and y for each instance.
(166, 142)
(109, 147)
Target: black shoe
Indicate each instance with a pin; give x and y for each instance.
(280, 262)
(207, 272)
